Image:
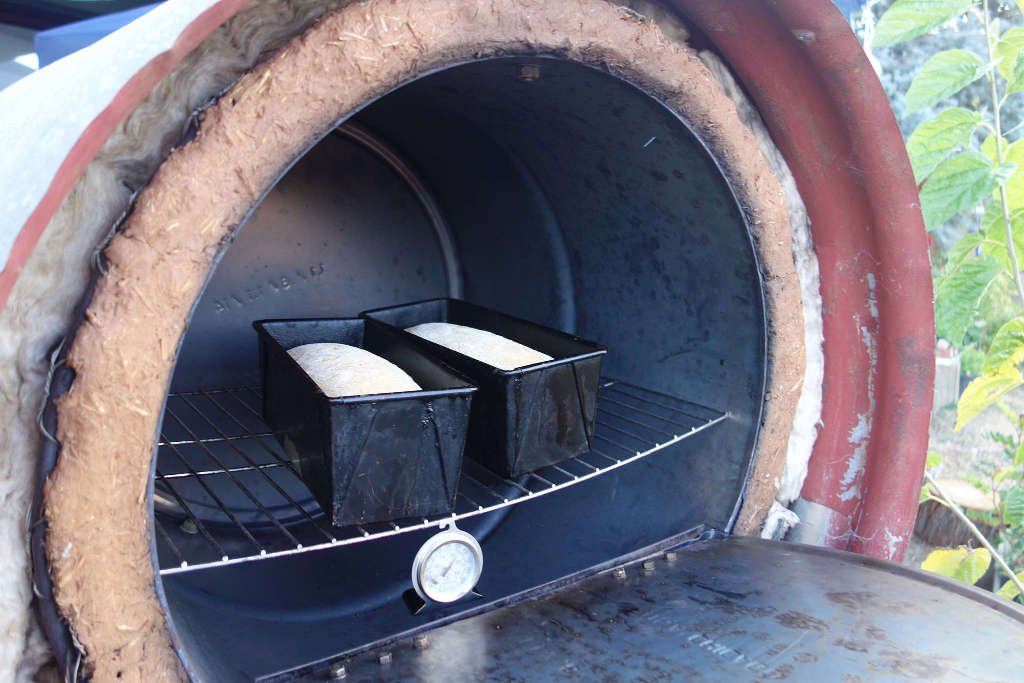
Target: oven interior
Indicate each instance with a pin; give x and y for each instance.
(540, 187)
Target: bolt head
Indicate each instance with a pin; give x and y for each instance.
(384, 659)
(619, 573)
(420, 642)
(649, 565)
(338, 672)
(528, 72)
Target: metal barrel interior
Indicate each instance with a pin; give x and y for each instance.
(571, 199)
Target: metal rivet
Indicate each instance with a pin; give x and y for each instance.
(189, 527)
(338, 672)
(384, 659)
(421, 642)
(619, 573)
(648, 565)
(671, 555)
(528, 72)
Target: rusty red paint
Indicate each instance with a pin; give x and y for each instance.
(830, 117)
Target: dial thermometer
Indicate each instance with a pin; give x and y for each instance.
(447, 566)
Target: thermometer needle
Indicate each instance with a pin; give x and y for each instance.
(447, 569)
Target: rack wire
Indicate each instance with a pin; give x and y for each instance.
(225, 492)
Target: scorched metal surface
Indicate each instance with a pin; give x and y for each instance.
(732, 609)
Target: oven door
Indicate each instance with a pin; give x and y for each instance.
(720, 609)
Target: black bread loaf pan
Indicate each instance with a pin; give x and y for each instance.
(366, 458)
(521, 419)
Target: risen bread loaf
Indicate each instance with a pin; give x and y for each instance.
(482, 345)
(342, 370)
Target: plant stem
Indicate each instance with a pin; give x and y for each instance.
(1010, 248)
(974, 530)
(1015, 128)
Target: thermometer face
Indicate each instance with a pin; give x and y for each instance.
(449, 572)
(447, 567)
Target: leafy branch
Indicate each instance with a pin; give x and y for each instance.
(977, 534)
(967, 166)
(1003, 199)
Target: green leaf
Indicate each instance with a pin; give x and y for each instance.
(974, 566)
(1018, 457)
(932, 460)
(957, 295)
(977, 483)
(1013, 511)
(907, 19)
(1015, 83)
(988, 148)
(943, 75)
(962, 249)
(983, 392)
(995, 246)
(1014, 154)
(1009, 46)
(1009, 589)
(993, 215)
(1004, 473)
(936, 139)
(958, 563)
(994, 243)
(958, 183)
(944, 561)
(1007, 347)
(993, 218)
(925, 495)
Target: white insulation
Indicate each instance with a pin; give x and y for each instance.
(808, 410)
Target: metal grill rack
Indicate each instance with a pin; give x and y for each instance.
(226, 493)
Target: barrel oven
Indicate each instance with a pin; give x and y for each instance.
(544, 203)
(574, 165)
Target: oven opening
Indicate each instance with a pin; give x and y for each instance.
(539, 187)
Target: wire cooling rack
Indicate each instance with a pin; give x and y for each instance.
(225, 492)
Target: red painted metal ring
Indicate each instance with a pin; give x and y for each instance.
(828, 114)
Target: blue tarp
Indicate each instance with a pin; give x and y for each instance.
(849, 7)
(55, 43)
